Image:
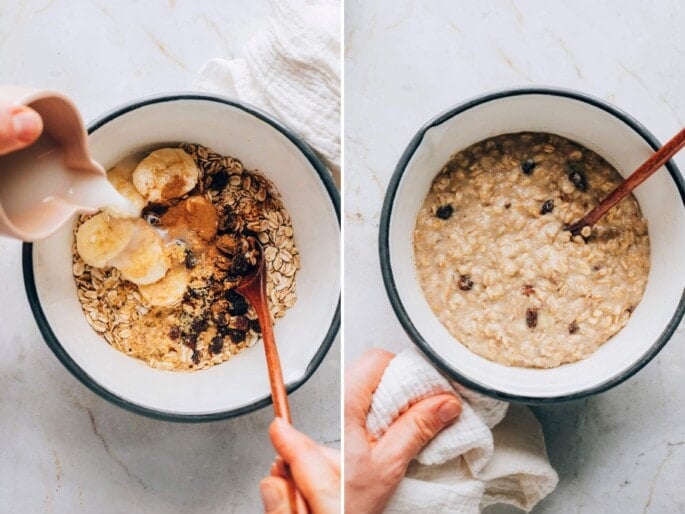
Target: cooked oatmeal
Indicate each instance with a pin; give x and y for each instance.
(193, 318)
(497, 267)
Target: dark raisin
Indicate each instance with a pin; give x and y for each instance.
(254, 325)
(199, 324)
(576, 175)
(240, 322)
(219, 180)
(196, 357)
(527, 290)
(531, 317)
(238, 306)
(236, 335)
(190, 260)
(444, 211)
(507, 205)
(175, 332)
(232, 295)
(216, 345)
(155, 208)
(573, 328)
(630, 309)
(547, 206)
(465, 283)
(190, 340)
(240, 266)
(528, 166)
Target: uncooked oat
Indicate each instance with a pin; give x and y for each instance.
(212, 322)
(497, 267)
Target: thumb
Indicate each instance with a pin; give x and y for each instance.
(19, 127)
(415, 428)
(274, 496)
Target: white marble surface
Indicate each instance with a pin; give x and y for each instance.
(623, 451)
(62, 448)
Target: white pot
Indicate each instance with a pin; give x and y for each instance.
(303, 335)
(625, 144)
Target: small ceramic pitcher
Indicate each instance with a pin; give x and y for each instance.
(33, 203)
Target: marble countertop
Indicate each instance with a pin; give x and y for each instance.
(62, 448)
(406, 61)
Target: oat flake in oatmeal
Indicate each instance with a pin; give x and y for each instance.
(192, 318)
(499, 271)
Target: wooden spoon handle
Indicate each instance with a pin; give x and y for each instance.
(648, 168)
(273, 362)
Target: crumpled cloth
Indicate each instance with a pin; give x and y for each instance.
(291, 69)
(493, 453)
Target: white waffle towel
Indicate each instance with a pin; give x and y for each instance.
(291, 69)
(493, 453)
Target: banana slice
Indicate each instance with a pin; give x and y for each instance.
(167, 291)
(102, 238)
(165, 174)
(144, 260)
(120, 178)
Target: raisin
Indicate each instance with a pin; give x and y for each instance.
(254, 325)
(240, 266)
(528, 166)
(573, 328)
(465, 283)
(527, 290)
(238, 306)
(240, 322)
(155, 208)
(547, 206)
(576, 175)
(196, 357)
(199, 325)
(190, 340)
(174, 333)
(531, 317)
(507, 205)
(236, 335)
(216, 345)
(190, 259)
(219, 181)
(232, 295)
(444, 211)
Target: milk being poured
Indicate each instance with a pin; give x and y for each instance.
(40, 188)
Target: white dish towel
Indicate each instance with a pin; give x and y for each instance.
(291, 69)
(493, 453)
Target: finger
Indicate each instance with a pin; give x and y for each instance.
(274, 491)
(361, 380)
(276, 469)
(19, 127)
(415, 428)
(316, 479)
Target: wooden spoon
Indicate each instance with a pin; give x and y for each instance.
(651, 165)
(253, 287)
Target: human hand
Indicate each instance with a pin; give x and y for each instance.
(315, 470)
(374, 468)
(19, 127)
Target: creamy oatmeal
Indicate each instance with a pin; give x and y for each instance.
(497, 267)
(161, 288)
